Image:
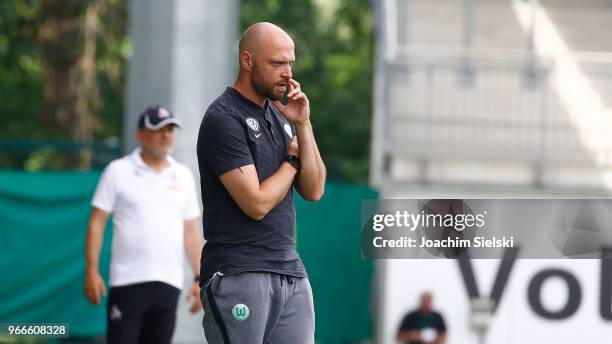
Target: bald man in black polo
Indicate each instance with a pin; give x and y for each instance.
(254, 286)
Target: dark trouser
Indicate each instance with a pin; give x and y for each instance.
(258, 307)
(141, 313)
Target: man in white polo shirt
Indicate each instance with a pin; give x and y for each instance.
(155, 220)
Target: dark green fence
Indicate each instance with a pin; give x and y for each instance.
(43, 218)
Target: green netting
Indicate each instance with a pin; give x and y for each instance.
(43, 218)
(329, 241)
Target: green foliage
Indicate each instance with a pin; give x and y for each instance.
(334, 49)
(22, 77)
(334, 61)
(20, 68)
(46, 158)
(111, 66)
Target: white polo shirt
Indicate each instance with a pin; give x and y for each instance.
(149, 210)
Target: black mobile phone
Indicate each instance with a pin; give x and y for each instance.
(284, 100)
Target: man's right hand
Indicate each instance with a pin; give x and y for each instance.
(94, 287)
(294, 149)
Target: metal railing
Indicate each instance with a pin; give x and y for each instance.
(434, 104)
(496, 106)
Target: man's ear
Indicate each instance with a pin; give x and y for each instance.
(246, 60)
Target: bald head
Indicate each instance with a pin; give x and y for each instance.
(265, 59)
(263, 36)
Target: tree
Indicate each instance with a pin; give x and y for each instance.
(60, 56)
(63, 64)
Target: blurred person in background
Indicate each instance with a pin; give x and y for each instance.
(423, 325)
(254, 286)
(155, 220)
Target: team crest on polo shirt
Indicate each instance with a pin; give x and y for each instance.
(288, 129)
(252, 123)
(174, 185)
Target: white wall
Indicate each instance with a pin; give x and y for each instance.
(515, 321)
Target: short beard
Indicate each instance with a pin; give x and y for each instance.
(261, 88)
(157, 154)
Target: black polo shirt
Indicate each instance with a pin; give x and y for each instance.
(236, 132)
(417, 320)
